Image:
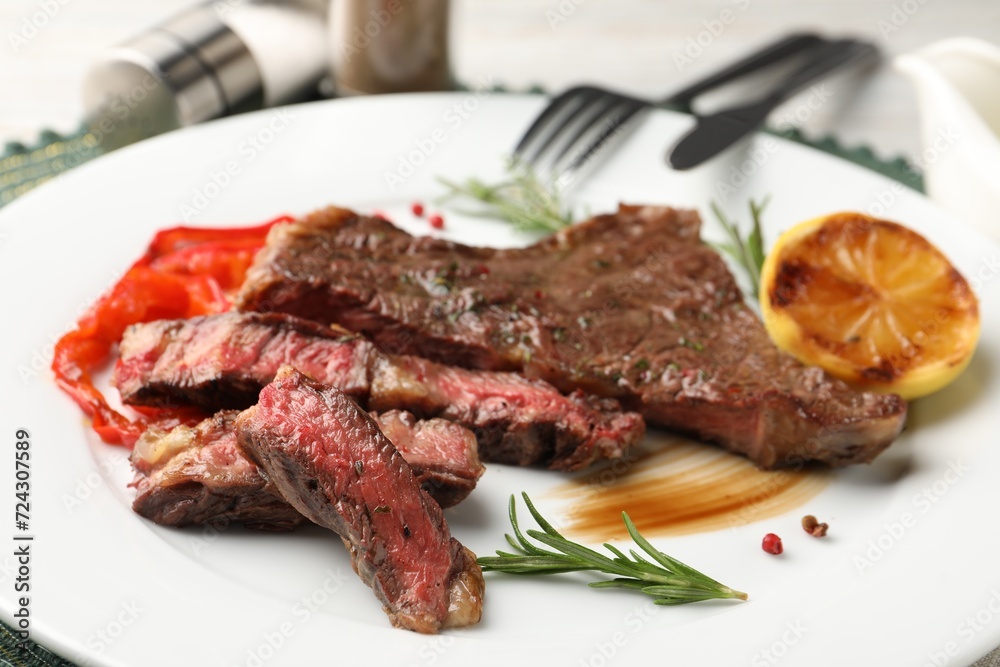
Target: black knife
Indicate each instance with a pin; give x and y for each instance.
(718, 131)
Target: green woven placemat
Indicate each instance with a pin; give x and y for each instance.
(23, 168)
(897, 168)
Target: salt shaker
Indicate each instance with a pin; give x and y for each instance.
(216, 59)
(389, 46)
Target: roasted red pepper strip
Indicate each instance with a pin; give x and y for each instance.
(185, 272)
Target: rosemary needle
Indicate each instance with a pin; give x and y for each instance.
(748, 252)
(523, 199)
(666, 579)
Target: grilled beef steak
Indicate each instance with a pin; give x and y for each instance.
(221, 361)
(631, 305)
(198, 475)
(329, 459)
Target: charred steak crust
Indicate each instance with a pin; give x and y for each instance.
(224, 360)
(630, 305)
(199, 476)
(329, 459)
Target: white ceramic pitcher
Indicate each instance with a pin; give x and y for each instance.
(958, 89)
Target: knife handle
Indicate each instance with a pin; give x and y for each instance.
(769, 55)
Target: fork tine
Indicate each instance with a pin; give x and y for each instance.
(585, 122)
(580, 95)
(628, 110)
(599, 128)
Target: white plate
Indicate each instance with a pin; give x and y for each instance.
(108, 587)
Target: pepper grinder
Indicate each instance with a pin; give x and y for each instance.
(216, 59)
(389, 46)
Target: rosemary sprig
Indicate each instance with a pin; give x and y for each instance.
(748, 252)
(666, 579)
(523, 199)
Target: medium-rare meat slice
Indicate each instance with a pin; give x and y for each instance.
(516, 420)
(329, 459)
(224, 360)
(630, 305)
(197, 475)
(443, 455)
(215, 363)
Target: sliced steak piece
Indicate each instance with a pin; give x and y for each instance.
(630, 305)
(224, 360)
(516, 420)
(443, 456)
(329, 459)
(214, 363)
(199, 476)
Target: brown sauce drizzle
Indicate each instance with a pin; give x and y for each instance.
(671, 486)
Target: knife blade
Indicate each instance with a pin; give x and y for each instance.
(714, 133)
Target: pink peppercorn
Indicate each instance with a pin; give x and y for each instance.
(772, 544)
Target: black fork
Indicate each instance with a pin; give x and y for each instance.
(584, 119)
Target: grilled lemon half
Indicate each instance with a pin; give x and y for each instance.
(871, 302)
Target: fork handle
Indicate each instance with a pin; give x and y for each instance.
(831, 56)
(773, 53)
